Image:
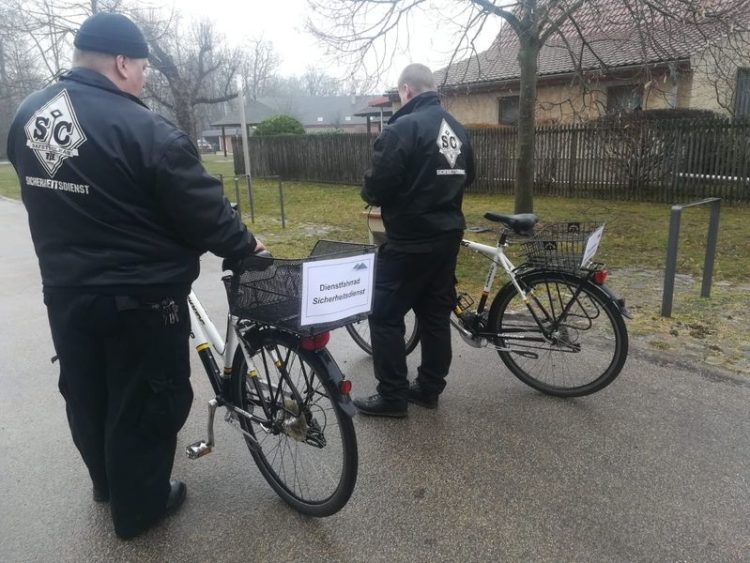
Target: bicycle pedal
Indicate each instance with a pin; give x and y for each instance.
(198, 449)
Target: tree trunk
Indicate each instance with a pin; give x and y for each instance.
(183, 109)
(527, 59)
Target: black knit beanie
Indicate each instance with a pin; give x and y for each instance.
(111, 33)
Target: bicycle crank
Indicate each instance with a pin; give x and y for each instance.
(204, 447)
(468, 337)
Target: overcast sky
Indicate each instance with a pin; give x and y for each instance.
(283, 23)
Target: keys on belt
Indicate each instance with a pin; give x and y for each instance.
(169, 309)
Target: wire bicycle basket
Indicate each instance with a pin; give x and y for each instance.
(271, 293)
(562, 246)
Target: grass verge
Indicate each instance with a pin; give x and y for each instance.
(708, 330)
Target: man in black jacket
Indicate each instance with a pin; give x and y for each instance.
(421, 163)
(120, 210)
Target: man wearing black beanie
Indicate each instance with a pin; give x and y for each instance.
(120, 209)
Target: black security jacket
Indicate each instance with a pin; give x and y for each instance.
(130, 206)
(418, 187)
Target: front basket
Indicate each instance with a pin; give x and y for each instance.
(271, 292)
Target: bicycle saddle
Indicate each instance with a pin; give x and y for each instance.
(521, 223)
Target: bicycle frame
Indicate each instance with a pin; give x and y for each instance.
(497, 257)
(205, 336)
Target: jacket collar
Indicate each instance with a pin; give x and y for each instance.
(97, 80)
(417, 102)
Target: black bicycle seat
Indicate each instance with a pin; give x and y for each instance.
(521, 223)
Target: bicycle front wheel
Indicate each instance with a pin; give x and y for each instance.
(360, 333)
(568, 340)
(305, 445)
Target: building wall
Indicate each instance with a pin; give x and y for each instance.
(568, 103)
(715, 74)
(558, 103)
(473, 108)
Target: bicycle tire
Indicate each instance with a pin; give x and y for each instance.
(285, 434)
(360, 333)
(591, 344)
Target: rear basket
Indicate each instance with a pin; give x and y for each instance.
(558, 246)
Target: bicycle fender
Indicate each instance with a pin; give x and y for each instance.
(336, 376)
(620, 302)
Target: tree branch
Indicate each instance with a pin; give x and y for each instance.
(509, 17)
(152, 93)
(203, 100)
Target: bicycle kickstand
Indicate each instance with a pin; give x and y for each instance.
(203, 447)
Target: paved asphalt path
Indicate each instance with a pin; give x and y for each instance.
(654, 468)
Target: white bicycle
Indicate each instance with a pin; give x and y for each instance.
(555, 324)
(281, 388)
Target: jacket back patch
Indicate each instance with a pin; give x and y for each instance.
(448, 143)
(53, 133)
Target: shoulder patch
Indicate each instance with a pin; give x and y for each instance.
(53, 133)
(448, 143)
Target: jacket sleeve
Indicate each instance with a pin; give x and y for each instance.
(470, 168)
(386, 176)
(195, 202)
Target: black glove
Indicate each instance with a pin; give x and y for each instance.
(255, 262)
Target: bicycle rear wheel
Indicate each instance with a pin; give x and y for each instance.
(306, 445)
(360, 333)
(586, 342)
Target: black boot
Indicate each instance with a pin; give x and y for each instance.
(175, 499)
(377, 405)
(417, 395)
(177, 494)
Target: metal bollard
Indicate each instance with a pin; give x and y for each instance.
(671, 263)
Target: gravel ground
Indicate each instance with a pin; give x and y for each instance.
(712, 331)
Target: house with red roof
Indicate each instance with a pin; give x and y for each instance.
(608, 59)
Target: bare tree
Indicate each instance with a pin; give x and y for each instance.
(49, 27)
(20, 73)
(367, 28)
(192, 67)
(259, 67)
(317, 83)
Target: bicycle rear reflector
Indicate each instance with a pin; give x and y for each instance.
(317, 342)
(600, 276)
(345, 387)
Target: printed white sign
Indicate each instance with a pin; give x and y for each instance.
(337, 288)
(592, 245)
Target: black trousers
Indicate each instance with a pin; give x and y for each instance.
(425, 282)
(124, 374)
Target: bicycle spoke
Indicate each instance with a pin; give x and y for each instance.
(302, 441)
(567, 342)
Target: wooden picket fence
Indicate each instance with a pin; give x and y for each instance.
(662, 161)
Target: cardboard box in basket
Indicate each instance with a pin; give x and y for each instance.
(375, 227)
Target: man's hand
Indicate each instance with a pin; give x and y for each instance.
(259, 260)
